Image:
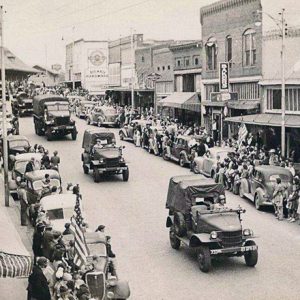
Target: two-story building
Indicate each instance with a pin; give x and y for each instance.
(229, 35)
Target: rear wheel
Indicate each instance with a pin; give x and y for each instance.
(96, 175)
(74, 134)
(182, 161)
(204, 259)
(179, 224)
(125, 174)
(174, 241)
(256, 202)
(251, 257)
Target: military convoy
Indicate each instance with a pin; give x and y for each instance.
(105, 158)
(196, 221)
(51, 115)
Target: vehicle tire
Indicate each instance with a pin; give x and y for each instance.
(204, 259)
(174, 241)
(74, 135)
(179, 224)
(96, 175)
(85, 169)
(38, 130)
(125, 174)
(164, 155)
(49, 135)
(251, 257)
(121, 134)
(256, 202)
(182, 161)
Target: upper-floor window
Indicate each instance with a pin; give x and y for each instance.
(158, 68)
(178, 62)
(196, 61)
(249, 47)
(228, 50)
(163, 68)
(211, 54)
(187, 61)
(169, 67)
(143, 59)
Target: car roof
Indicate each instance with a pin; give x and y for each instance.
(40, 174)
(17, 138)
(58, 201)
(96, 131)
(268, 170)
(49, 96)
(28, 156)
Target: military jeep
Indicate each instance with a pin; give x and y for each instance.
(213, 230)
(106, 159)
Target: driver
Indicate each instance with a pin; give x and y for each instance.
(98, 145)
(220, 204)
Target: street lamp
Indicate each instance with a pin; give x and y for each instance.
(281, 24)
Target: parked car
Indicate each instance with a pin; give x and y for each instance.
(259, 187)
(105, 160)
(196, 222)
(83, 108)
(18, 170)
(207, 165)
(179, 150)
(127, 131)
(34, 184)
(52, 117)
(103, 115)
(59, 209)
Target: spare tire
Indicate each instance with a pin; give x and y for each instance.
(179, 224)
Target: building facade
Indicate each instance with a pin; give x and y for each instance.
(229, 35)
(87, 65)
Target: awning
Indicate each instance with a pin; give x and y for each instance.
(182, 100)
(244, 104)
(213, 103)
(292, 121)
(12, 265)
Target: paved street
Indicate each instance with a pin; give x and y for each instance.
(134, 214)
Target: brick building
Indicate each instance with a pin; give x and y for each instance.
(229, 35)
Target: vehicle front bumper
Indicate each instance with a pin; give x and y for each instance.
(111, 169)
(25, 110)
(62, 129)
(233, 250)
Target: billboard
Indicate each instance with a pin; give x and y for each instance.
(224, 77)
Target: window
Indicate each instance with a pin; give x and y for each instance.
(186, 61)
(169, 67)
(249, 48)
(143, 59)
(228, 50)
(196, 61)
(246, 91)
(292, 99)
(211, 54)
(178, 63)
(158, 68)
(163, 68)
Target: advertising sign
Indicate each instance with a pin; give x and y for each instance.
(224, 77)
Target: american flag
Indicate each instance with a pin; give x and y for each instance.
(81, 249)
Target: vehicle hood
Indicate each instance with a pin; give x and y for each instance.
(19, 149)
(108, 153)
(58, 114)
(222, 221)
(59, 224)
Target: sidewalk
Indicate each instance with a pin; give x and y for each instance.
(15, 239)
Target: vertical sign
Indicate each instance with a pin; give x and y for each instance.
(224, 77)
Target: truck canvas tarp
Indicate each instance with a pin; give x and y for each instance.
(183, 190)
(39, 102)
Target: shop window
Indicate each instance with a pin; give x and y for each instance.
(292, 99)
(211, 54)
(249, 48)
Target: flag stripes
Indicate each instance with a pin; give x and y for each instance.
(12, 265)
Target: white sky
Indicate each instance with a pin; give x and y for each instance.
(34, 29)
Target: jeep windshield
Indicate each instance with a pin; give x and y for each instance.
(58, 107)
(38, 184)
(60, 213)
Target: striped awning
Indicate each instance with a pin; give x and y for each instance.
(12, 265)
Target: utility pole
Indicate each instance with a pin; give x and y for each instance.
(73, 48)
(132, 70)
(283, 26)
(4, 129)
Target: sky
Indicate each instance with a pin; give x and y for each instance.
(37, 31)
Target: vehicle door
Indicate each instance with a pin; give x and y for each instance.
(178, 146)
(208, 163)
(255, 181)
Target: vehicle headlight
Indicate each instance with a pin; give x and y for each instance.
(101, 160)
(110, 295)
(247, 232)
(18, 179)
(122, 159)
(213, 235)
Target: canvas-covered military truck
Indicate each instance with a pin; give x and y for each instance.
(52, 117)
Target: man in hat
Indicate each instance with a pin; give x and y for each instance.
(38, 288)
(67, 229)
(55, 160)
(98, 145)
(108, 247)
(37, 241)
(23, 203)
(30, 166)
(46, 160)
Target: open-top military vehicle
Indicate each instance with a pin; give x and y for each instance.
(105, 158)
(22, 105)
(213, 230)
(51, 115)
